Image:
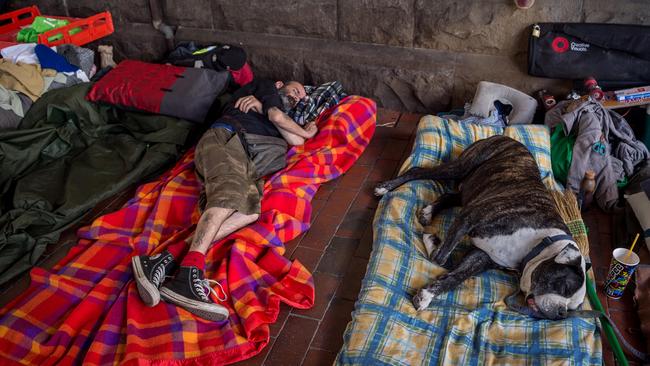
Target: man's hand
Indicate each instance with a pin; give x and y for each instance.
(249, 103)
(311, 129)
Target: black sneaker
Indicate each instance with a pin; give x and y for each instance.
(149, 273)
(190, 291)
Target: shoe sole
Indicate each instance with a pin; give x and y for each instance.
(213, 312)
(149, 293)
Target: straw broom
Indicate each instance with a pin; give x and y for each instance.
(567, 205)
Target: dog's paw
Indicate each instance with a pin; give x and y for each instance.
(422, 299)
(381, 189)
(431, 242)
(425, 216)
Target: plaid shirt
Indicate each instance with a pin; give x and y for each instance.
(317, 101)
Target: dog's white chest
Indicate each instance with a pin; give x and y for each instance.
(510, 250)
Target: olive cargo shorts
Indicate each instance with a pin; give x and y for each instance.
(227, 173)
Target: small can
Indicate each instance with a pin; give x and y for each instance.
(592, 88)
(547, 100)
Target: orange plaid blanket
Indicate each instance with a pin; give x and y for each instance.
(86, 310)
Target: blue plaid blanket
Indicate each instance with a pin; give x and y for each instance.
(470, 325)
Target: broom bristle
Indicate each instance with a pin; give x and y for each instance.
(567, 206)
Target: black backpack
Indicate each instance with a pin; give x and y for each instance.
(216, 57)
(608, 52)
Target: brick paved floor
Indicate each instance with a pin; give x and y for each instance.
(337, 248)
(622, 311)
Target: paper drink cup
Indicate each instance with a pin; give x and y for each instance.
(620, 271)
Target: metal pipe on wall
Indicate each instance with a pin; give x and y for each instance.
(157, 21)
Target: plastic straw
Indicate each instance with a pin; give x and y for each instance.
(629, 252)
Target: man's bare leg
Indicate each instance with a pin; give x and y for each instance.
(235, 222)
(208, 227)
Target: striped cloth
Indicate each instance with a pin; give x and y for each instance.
(470, 325)
(318, 100)
(87, 310)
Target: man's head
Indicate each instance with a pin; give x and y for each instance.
(554, 281)
(291, 93)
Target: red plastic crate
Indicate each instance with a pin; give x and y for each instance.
(92, 28)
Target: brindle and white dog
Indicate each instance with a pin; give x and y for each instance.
(511, 219)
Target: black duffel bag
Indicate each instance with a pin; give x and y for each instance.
(608, 52)
(220, 58)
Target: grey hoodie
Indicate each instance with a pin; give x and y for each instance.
(594, 126)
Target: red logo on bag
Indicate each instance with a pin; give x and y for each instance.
(560, 44)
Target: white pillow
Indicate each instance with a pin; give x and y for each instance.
(523, 105)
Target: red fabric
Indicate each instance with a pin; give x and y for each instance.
(194, 259)
(87, 310)
(135, 84)
(242, 76)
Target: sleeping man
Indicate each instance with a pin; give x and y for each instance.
(232, 186)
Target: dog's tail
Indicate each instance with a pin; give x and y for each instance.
(447, 171)
(475, 155)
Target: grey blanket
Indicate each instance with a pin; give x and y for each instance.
(604, 143)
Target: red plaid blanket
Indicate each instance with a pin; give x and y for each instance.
(86, 310)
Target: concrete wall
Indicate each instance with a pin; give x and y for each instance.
(415, 55)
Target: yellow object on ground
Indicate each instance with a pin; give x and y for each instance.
(24, 78)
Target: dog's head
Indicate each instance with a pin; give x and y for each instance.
(554, 280)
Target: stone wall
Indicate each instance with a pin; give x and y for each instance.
(415, 55)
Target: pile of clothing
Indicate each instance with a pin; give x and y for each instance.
(603, 142)
(27, 71)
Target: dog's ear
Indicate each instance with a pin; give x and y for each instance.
(569, 255)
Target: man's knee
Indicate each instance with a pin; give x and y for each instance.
(239, 220)
(216, 215)
(249, 219)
